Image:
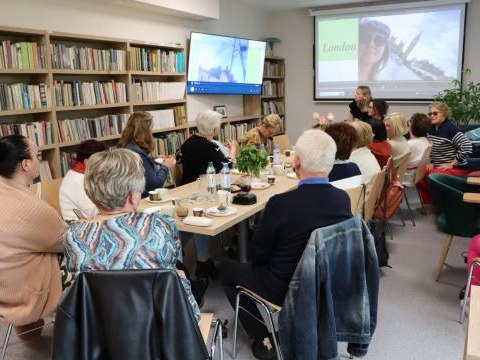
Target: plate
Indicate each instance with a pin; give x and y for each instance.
(292, 175)
(215, 212)
(168, 198)
(260, 185)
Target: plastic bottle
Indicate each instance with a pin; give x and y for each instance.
(225, 179)
(211, 184)
(276, 155)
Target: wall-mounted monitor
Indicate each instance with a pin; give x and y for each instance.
(225, 65)
(401, 51)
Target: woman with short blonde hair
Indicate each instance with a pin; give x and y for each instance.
(264, 132)
(396, 125)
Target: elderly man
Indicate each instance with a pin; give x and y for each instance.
(283, 233)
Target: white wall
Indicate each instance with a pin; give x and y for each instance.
(297, 48)
(96, 18)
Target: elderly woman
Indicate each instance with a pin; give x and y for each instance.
(120, 238)
(450, 147)
(137, 137)
(396, 126)
(362, 156)
(263, 133)
(72, 194)
(345, 174)
(30, 233)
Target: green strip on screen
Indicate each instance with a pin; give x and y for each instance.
(253, 63)
(338, 39)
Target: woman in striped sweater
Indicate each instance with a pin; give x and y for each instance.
(450, 147)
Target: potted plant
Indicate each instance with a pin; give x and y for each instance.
(251, 160)
(464, 102)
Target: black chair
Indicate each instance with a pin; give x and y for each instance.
(133, 314)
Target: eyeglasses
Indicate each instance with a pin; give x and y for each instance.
(433, 113)
(378, 40)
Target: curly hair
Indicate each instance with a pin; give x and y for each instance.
(345, 137)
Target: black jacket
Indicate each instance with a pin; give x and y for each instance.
(136, 314)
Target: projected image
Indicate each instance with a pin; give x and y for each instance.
(220, 64)
(410, 54)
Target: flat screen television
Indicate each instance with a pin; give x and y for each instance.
(225, 65)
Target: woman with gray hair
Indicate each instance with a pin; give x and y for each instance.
(119, 238)
(199, 149)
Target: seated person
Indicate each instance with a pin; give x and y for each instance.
(72, 194)
(119, 238)
(362, 156)
(345, 174)
(137, 137)
(30, 231)
(396, 126)
(263, 133)
(418, 142)
(283, 233)
(380, 147)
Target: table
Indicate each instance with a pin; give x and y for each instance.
(472, 343)
(473, 198)
(473, 180)
(220, 224)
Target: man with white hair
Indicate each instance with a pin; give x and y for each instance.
(283, 233)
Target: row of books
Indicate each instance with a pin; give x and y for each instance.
(272, 106)
(273, 69)
(22, 55)
(87, 58)
(44, 171)
(21, 96)
(157, 60)
(76, 93)
(67, 159)
(145, 91)
(87, 128)
(273, 88)
(168, 144)
(180, 115)
(235, 131)
(40, 132)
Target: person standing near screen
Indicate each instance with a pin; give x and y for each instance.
(359, 106)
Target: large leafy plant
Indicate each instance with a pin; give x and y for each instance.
(251, 160)
(463, 100)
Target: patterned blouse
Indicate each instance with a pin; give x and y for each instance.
(130, 241)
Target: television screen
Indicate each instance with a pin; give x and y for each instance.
(225, 65)
(401, 54)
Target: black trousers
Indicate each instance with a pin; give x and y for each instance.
(233, 274)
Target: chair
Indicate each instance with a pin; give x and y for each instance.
(128, 314)
(49, 191)
(374, 195)
(8, 334)
(418, 175)
(456, 218)
(473, 265)
(402, 165)
(282, 141)
(357, 197)
(176, 172)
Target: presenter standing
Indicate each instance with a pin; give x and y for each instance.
(359, 106)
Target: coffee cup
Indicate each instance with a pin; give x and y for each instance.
(154, 195)
(168, 210)
(271, 179)
(287, 153)
(163, 193)
(181, 209)
(277, 169)
(197, 211)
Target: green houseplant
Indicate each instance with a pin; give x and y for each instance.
(251, 160)
(463, 100)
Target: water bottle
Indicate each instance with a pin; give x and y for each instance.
(211, 185)
(225, 179)
(276, 155)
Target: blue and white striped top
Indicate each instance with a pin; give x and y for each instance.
(130, 241)
(448, 144)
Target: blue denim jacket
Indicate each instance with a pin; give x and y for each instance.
(155, 174)
(333, 294)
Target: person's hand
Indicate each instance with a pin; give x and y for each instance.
(169, 161)
(233, 145)
(447, 166)
(430, 167)
(181, 273)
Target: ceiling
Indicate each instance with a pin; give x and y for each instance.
(276, 5)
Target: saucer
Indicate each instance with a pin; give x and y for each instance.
(259, 185)
(168, 198)
(292, 175)
(215, 212)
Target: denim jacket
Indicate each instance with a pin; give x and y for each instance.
(155, 174)
(333, 294)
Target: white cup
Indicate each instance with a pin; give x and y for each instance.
(278, 169)
(168, 210)
(224, 199)
(162, 192)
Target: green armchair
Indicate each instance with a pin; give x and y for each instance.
(456, 217)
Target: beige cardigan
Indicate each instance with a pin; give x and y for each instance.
(30, 230)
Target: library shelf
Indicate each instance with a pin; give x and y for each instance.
(24, 112)
(92, 107)
(160, 102)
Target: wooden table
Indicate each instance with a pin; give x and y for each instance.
(220, 224)
(473, 198)
(472, 339)
(473, 180)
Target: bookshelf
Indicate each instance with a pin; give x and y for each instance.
(272, 99)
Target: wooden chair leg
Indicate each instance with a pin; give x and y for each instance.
(443, 256)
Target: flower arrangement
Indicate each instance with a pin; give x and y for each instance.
(322, 121)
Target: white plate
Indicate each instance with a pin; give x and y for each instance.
(215, 212)
(292, 175)
(197, 221)
(151, 210)
(260, 185)
(168, 198)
